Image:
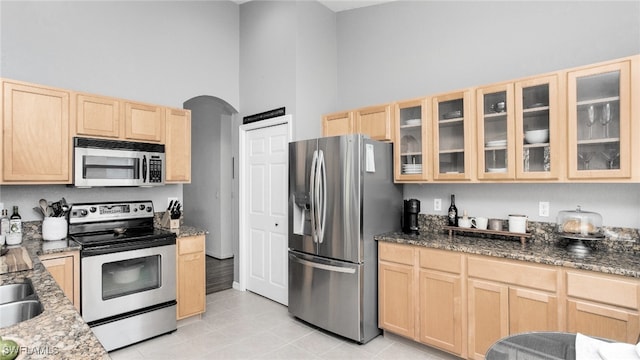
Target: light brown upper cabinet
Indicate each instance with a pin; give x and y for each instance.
(143, 122)
(599, 121)
(375, 121)
(98, 116)
(453, 142)
(178, 145)
(496, 130)
(338, 124)
(36, 136)
(412, 131)
(538, 140)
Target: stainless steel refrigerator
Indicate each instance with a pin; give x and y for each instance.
(341, 193)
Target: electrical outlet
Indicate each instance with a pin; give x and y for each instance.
(170, 199)
(543, 208)
(437, 204)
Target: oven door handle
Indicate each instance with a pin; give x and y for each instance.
(110, 249)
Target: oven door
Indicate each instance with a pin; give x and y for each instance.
(124, 281)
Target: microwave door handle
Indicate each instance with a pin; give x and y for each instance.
(144, 168)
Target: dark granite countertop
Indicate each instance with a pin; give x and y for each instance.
(625, 263)
(188, 230)
(59, 332)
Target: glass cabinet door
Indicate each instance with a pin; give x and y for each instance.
(495, 132)
(411, 143)
(599, 121)
(452, 136)
(537, 128)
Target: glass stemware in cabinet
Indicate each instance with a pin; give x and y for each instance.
(598, 97)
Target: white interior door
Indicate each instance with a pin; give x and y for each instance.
(266, 168)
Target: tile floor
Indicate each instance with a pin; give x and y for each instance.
(243, 325)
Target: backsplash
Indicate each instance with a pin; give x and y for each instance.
(616, 239)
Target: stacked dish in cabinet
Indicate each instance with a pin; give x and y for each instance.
(411, 154)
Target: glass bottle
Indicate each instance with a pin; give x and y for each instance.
(453, 212)
(4, 226)
(15, 228)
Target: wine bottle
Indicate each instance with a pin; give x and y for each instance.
(453, 212)
(4, 227)
(15, 228)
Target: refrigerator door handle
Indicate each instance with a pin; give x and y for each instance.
(312, 191)
(322, 195)
(325, 266)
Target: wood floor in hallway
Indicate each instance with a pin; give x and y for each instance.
(219, 274)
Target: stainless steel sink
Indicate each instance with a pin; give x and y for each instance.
(18, 311)
(18, 302)
(13, 292)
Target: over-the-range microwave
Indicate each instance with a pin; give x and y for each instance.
(99, 162)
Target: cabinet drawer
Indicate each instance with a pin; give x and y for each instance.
(190, 244)
(532, 276)
(441, 260)
(602, 288)
(401, 254)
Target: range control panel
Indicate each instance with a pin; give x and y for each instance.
(91, 212)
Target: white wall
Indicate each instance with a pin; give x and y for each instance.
(407, 49)
(161, 52)
(288, 58)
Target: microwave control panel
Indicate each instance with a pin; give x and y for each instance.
(155, 170)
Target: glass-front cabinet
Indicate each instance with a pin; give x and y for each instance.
(537, 130)
(599, 121)
(452, 136)
(496, 127)
(412, 141)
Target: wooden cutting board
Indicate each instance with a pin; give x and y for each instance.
(16, 259)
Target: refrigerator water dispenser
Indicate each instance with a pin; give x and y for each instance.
(301, 214)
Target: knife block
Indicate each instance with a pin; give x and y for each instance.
(168, 223)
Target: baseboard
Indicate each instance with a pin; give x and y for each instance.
(236, 286)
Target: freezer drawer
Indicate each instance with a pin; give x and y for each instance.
(328, 294)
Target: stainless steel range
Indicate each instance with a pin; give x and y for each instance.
(128, 281)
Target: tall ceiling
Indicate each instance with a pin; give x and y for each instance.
(339, 5)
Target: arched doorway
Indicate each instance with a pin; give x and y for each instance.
(208, 198)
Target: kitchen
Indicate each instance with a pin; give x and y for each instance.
(237, 47)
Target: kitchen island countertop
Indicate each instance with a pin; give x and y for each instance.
(59, 332)
(609, 262)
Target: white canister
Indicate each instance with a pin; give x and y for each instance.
(54, 228)
(518, 223)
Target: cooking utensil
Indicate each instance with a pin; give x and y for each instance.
(44, 205)
(39, 210)
(57, 209)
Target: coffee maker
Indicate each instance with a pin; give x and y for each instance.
(410, 216)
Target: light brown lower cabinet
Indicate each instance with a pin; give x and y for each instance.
(65, 269)
(191, 276)
(464, 303)
(396, 290)
(603, 305)
(420, 295)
